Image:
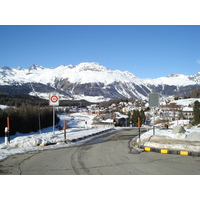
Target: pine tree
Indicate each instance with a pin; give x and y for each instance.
(135, 116)
(142, 117)
(196, 112)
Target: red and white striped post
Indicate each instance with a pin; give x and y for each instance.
(7, 134)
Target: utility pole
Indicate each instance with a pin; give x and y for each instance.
(53, 120)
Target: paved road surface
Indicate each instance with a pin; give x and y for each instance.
(104, 155)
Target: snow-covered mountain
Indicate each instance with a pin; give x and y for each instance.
(91, 81)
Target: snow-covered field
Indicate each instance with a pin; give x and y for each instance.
(22, 143)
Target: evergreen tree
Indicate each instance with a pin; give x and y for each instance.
(142, 117)
(135, 116)
(138, 114)
(196, 112)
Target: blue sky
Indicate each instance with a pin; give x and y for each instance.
(146, 51)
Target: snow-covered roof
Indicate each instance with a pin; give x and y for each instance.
(188, 109)
(186, 102)
(120, 116)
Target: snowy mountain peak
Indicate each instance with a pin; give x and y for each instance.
(175, 75)
(65, 67)
(129, 74)
(86, 66)
(35, 67)
(18, 68)
(6, 68)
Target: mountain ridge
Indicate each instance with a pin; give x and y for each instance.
(94, 81)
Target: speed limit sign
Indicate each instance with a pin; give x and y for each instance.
(54, 99)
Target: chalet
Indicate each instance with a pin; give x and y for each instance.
(187, 112)
(119, 119)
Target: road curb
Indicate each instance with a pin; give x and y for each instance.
(78, 139)
(135, 144)
(168, 151)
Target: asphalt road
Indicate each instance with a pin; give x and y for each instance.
(107, 155)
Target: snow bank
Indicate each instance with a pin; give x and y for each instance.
(22, 142)
(194, 136)
(189, 134)
(189, 141)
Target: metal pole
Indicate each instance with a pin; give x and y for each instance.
(53, 120)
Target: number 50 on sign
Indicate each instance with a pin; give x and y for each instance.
(54, 99)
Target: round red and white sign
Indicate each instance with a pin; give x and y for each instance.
(54, 99)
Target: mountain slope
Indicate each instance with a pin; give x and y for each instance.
(92, 81)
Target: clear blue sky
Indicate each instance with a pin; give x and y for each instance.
(146, 51)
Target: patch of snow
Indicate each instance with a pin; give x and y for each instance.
(107, 121)
(95, 99)
(3, 107)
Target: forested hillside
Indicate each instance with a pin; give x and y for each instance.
(194, 93)
(18, 99)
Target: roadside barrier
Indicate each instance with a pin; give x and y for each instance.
(133, 144)
(169, 151)
(78, 139)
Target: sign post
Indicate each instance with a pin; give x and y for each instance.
(153, 102)
(54, 101)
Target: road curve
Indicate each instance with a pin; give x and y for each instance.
(105, 155)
